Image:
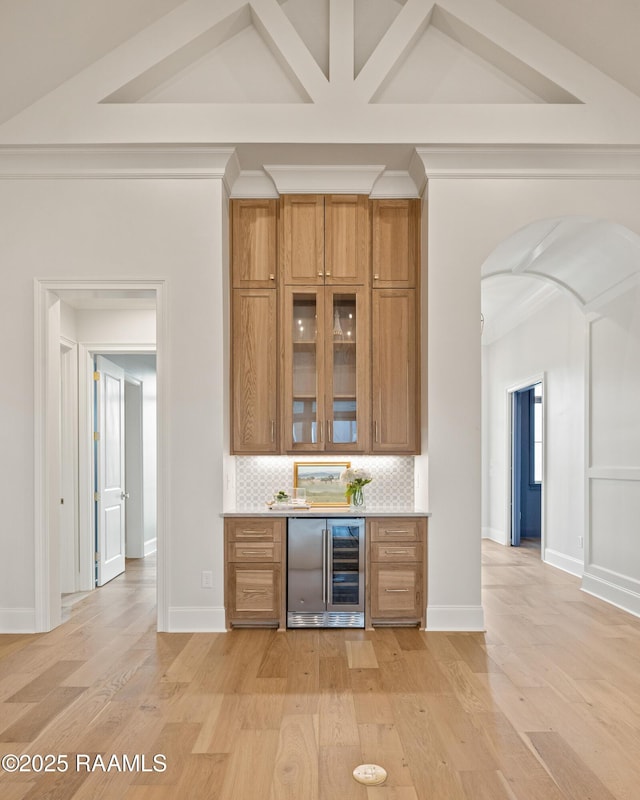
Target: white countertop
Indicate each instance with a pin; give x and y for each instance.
(332, 511)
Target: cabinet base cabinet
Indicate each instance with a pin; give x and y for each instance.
(254, 593)
(397, 589)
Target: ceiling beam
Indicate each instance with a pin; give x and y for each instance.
(404, 31)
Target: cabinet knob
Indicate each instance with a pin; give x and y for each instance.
(376, 277)
(328, 274)
(320, 274)
(272, 277)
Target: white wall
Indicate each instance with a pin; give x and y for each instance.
(156, 229)
(612, 568)
(468, 218)
(550, 342)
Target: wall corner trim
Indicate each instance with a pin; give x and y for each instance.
(196, 619)
(18, 620)
(455, 618)
(605, 589)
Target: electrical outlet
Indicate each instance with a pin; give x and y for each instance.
(580, 541)
(207, 579)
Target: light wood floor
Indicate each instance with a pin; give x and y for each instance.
(544, 706)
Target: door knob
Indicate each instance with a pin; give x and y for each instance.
(124, 495)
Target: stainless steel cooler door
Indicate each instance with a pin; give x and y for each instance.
(306, 590)
(345, 564)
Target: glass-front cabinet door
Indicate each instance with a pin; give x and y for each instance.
(304, 428)
(325, 373)
(346, 369)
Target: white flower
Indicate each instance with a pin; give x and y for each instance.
(359, 477)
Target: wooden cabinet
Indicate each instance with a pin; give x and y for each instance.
(254, 380)
(326, 369)
(254, 549)
(254, 258)
(395, 372)
(325, 240)
(325, 351)
(395, 246)
(397, 570)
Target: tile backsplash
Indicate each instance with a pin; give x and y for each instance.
(392, 487)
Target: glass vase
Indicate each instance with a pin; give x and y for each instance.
(357, 498)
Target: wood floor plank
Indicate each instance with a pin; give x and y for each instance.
(295, 773)
(571, 773)
(30, 724)
(336, 765)
(361, 655)
(381, 745)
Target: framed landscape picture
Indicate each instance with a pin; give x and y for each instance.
(322, 482)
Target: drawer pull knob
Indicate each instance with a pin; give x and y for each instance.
(261, 591)
(252, 552)
(396, 590)
(253, 533)
(390, 530)
(396, 552)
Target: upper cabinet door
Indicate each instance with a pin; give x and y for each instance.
(254, 372)
(395, 243)
(254, 243)
(346, 219)
(303, 239)
(395, 372)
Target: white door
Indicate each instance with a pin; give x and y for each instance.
(110, 486)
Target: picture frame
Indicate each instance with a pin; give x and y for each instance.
(321, 479)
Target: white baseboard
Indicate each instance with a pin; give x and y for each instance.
(611, 591)
(186, 619)
(18, 620)
(566, 563)
(494, 534)
(150, 546)
(455, 618)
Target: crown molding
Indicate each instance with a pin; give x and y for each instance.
(394, 183)
(523, 161)
(253, 183)
(118, 161)
(324, 179)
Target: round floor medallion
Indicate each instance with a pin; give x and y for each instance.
(370, 774)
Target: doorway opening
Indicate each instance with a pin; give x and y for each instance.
(78, 321)
(526, 465)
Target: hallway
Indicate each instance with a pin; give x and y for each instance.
(544, 706)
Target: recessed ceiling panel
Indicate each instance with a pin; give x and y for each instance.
(241, 70)
(310, 18)
(453, 63)
(372, 20)
(228, 63)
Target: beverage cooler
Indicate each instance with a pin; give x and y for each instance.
(325, 573)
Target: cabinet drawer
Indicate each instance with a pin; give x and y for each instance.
(246, 529)
(254, 551)
(255, 590)
(396, 591)
(397, 529)
(403, 551)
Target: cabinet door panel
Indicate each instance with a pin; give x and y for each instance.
(253, 243)
(395, 243)
(303, 366)
(395, 372)
(395, 591)
(254, 365)
(303, 239)
(347, 369)
(255, 590)
(346, 239)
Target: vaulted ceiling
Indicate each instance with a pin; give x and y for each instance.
(313, 71)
